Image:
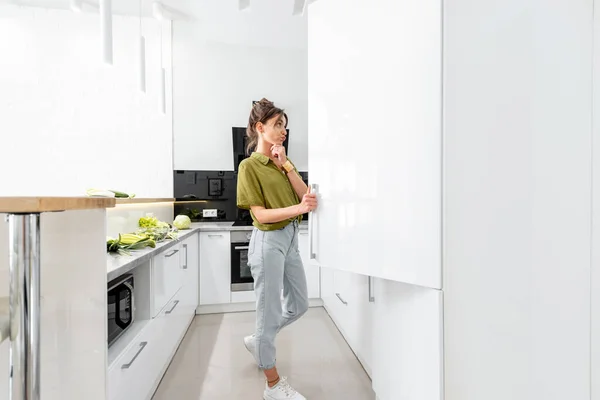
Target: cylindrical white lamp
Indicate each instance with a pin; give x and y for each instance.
(142, 63)
(106, 31)
(163, 91)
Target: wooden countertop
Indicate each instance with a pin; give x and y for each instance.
(48, 204)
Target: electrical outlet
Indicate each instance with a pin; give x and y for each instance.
(209, 212)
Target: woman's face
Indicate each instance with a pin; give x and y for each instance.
(273, 131)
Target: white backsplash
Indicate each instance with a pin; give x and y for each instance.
(123, 218)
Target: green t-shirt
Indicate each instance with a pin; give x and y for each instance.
(262, 183)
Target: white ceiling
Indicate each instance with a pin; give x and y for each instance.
(267, 23)
(196, 9)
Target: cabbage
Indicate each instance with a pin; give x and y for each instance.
(182, 222)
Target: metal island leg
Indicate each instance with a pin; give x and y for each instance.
(24, 306)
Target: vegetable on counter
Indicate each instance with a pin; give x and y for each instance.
(151, 231)
(150, 221)
(156, 229)
(182, 222)
(158, 234)
(128, 241)
(108, 193)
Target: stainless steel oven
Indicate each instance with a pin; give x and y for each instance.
(241, 277)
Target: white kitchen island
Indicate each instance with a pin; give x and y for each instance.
(72, 302)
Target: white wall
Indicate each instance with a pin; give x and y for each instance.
(221, 62)
(70, 122)
(518, 199)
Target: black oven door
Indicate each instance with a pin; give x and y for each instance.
(121, 307)
(241, 277)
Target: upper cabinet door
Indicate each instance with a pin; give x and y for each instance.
(375, 137)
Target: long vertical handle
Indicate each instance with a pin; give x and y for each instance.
(24, 306)
(186, 254)
(311, 227)
(371, 291)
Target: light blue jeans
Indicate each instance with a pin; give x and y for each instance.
(275, 263)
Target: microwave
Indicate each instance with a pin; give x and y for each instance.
(121, 306)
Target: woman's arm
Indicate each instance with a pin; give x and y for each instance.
(273, 215)
(297, 183)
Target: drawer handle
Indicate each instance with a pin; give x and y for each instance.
(342, 300)
(142, 346)
(241, 247)
(186, 254)
(172, 308)
(215, 235)
(172, 253)
(303, 233)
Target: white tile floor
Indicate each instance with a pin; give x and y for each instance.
(213, 364)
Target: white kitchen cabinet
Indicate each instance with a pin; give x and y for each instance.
(394, 104)
(138, 372)
(166, 276)
(149, 349)
(407, 342)
(190, 264)
(346, 297)
(462, 133)
(363, 310)
(312, 269)
(215, 268)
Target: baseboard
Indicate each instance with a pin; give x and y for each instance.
(241, 307)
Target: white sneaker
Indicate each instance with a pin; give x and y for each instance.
(250, 344)
(282, 391)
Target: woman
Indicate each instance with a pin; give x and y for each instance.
(271, 188)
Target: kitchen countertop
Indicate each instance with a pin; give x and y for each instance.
(50, 204)
(118, 265)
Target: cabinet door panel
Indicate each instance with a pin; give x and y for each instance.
(375, 97)
(215, 268)
(408, 342)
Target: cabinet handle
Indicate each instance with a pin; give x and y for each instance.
(311, 227)
(172, 308)
(342, 300)
(172, 253)
(142, 346)
(215, 235)
(241, 248)
(371, 296)
(186, 254)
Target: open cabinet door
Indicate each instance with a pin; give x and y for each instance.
(374, 137)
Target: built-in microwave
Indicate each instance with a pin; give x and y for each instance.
(121, 306)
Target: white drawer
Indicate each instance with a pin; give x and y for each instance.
(133, 376)
(136, 375)
(166, 277)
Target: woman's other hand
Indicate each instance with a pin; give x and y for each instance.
(278, 153)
